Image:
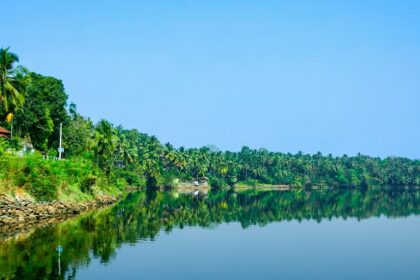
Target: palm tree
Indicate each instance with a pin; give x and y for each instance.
(12, 82)
(125, 149)
(106, 141)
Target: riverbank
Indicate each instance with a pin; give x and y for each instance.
(243, 186)
(35, 191)
(16, 214)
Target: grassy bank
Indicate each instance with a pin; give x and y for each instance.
(75, 179)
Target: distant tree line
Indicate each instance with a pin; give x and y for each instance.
(34, 105)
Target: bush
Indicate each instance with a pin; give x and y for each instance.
(43, 179)
(216, 182)
(251, 182)
(231, 180)
(37, 177)
(8, 145)
(169, 180)
(43, 188)
(120, 183)
(131, 177)
(87, 183)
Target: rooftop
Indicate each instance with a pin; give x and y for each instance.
(4, 132)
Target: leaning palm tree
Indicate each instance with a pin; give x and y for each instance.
(12, 82)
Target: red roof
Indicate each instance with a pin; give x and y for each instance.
(4, 131)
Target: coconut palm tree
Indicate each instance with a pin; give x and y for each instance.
(12, 82)
(106, 141)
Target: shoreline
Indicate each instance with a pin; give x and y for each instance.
(23, 215)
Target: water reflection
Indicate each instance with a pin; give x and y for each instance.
(142, 215)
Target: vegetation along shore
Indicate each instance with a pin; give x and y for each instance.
(102, 160)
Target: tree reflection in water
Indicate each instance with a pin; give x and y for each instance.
(142, 215)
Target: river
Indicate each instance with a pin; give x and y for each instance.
(297, 234)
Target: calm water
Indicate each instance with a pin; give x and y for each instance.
(227, 235)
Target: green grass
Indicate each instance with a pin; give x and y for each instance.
(46, 180)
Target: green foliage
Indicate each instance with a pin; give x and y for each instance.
(133, 178)
(119, 182)
(105, 137)
(170, 180)
(39, 178)
(43, 111)
(154, 179)
(46, 179)
(77, 134)
(12, 82)
(87, 183)
(124, 156)
(251, 182)
(216, 182)
(5, 145)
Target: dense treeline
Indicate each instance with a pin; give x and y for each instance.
(142, 216)
(35, 105)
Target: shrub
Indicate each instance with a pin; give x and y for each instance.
(251, 182)
(131, 177)
(216, 182)
(44, 178)
(169, 180)
(43, 188)
(87, 183)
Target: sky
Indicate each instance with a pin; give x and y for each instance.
(338, 77)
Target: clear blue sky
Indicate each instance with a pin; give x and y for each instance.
(338, 77)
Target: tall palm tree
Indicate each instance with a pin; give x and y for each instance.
(106, 141)
(12, 81)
